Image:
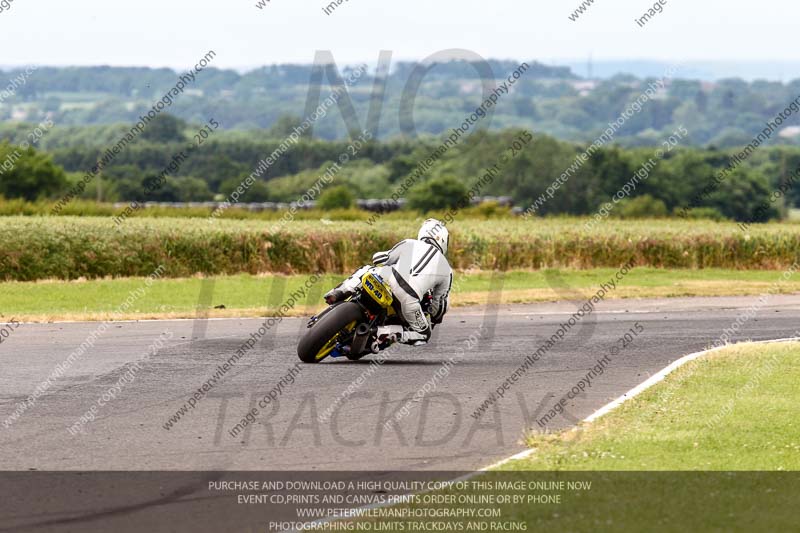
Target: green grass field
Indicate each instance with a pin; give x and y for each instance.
(732, 410)
(713, 447)
(248, 295)
(735, 409)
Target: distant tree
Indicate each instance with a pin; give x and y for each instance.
(174, 189)
(400, 167)
(523, 107)
(744, 196)
(438, 193)
(29, 174)
(285, 126)
(338, 197)
(164, 128)
(644, 206)
(257, 192)
(697, 213)
(731, 137)
(215, 167)
(610, 170)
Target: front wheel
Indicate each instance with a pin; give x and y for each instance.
(320, 340)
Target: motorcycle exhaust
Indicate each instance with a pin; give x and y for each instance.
(360, 339)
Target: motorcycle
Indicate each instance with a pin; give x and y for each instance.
(350, 328)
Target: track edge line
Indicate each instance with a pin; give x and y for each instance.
(637, 390)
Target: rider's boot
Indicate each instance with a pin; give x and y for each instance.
(345, 288)
(390, 334)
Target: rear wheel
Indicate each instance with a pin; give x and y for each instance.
(320, 340)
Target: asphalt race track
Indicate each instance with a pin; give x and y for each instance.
(294, 433)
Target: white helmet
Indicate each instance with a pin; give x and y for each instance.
(435, 233)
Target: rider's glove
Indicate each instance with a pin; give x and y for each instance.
(335, 295)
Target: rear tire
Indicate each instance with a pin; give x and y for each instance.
(327, 327)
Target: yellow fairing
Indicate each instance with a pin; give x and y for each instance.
(379, 291)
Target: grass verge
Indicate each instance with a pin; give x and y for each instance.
(260, 295)
(734, 409)
(713, 447)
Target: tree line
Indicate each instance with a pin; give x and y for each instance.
(547, 99)
(220, 165)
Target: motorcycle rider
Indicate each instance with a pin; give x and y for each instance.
(412, 269)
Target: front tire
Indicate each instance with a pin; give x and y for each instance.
(312, 346)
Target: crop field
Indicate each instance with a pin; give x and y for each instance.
(33, 248)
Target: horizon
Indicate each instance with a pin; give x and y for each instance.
(156, 34)
(703, 70)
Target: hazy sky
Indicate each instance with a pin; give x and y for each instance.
(177, 32)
